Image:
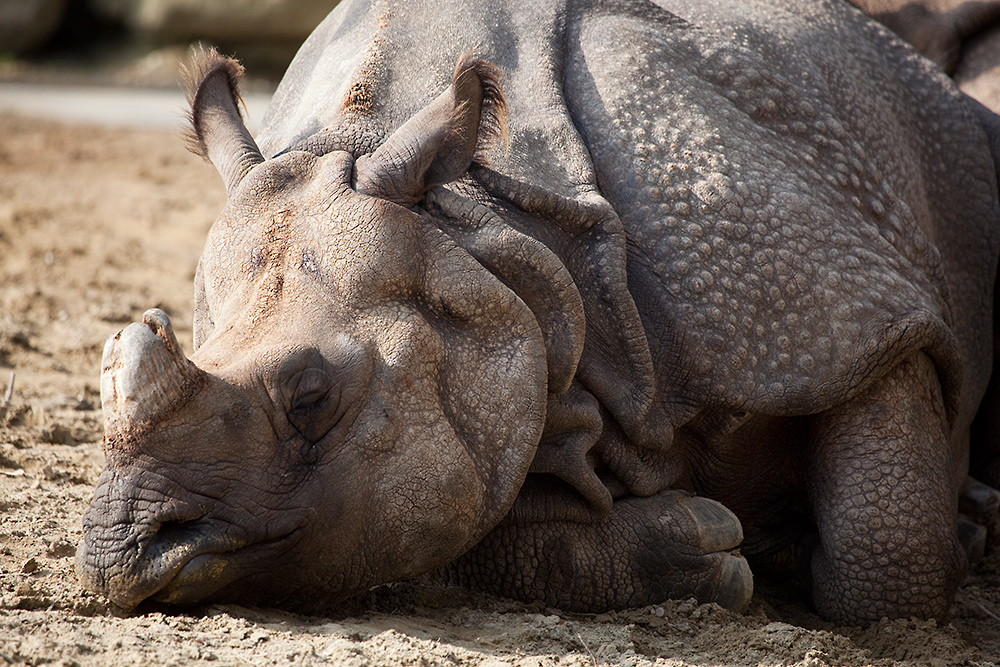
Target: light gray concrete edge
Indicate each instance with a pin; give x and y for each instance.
(111, 107)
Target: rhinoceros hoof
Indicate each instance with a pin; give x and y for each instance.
(978, 506)
(978, 499)
(973, 537)
(719, 533)
(689, 549)
(734, 584)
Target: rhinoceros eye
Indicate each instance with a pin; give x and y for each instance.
(314, 401)
(320, 392)
(309, 402)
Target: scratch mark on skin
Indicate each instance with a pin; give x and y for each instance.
(275, 246)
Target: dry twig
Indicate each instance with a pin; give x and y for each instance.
(593, 658)
(988, 612)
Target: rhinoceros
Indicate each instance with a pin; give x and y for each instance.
(962, 36)
(631, 296)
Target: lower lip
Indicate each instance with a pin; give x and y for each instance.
(207, 573)
(200, 577)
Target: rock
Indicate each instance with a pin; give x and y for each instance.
(61, 548)
(225, 21)
(28, 24)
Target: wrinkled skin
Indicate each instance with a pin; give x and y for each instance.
(963, 38)
(727, 288)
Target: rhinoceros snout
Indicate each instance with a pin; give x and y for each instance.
(141, 541)
(133, 534)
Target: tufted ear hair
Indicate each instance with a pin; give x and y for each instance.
(217, 131)
(437, 145)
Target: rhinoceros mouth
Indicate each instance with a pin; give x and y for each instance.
(182, 564)
(200, 570)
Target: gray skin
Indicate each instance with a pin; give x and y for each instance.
(723, 259)
(963, 38)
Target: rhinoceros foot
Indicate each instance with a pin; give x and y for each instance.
(687, 547)
(719, 533)
(646, 550)
(978, 504)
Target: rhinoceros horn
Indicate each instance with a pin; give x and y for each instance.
(217, 131)
(143, 373)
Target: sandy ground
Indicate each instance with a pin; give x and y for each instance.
(96, 225)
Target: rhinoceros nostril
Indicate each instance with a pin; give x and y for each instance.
(175, 523)
(173, 543)
(174, 531)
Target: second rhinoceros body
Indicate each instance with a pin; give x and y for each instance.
(638, 271)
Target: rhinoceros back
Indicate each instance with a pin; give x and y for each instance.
(791, 209)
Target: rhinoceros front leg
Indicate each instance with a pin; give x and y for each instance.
(644, 551)
(883, 491)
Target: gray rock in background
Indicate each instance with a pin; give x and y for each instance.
(225, 21)
(28, 24)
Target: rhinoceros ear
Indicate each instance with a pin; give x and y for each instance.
(437, 145)
(217, 131)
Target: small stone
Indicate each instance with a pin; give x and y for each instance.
(30, 566)
(61, 549)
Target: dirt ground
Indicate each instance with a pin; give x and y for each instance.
(97, 225)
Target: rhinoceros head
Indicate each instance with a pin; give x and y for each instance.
(365, 396)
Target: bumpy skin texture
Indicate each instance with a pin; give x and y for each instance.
(728, 254)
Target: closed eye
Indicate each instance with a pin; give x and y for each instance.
(309, 402)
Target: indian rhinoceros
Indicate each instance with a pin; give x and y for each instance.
(630, 295)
